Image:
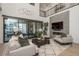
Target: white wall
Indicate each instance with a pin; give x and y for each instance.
(74, 23)
(22, 10)
(16, 10)
(1, 29)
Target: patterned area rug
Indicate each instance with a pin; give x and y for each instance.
(52, 49)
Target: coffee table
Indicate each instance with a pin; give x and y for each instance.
(40, 42)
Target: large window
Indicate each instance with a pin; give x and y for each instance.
(27, 27)
(9, 24)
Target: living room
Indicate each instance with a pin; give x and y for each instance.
(43, 31)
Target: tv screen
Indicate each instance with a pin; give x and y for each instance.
(57, 26)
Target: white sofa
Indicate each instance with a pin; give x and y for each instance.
(24, 51)
(63, 40)
(13, 48)
(29, 50)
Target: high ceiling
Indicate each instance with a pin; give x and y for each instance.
(46, 6)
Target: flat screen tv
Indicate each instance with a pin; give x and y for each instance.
(57, 25)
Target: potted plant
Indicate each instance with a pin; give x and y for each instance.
(45, 26)
(39, 34)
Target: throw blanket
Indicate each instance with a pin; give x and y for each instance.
(23, 42)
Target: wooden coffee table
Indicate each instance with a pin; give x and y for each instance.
(40, 42)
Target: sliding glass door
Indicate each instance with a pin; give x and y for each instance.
(23, 27)
(27, 27)
(39, 26)
(10, 23)
(31, 28)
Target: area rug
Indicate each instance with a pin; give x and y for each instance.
(52, 49)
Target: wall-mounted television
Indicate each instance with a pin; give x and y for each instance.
(57, 25)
